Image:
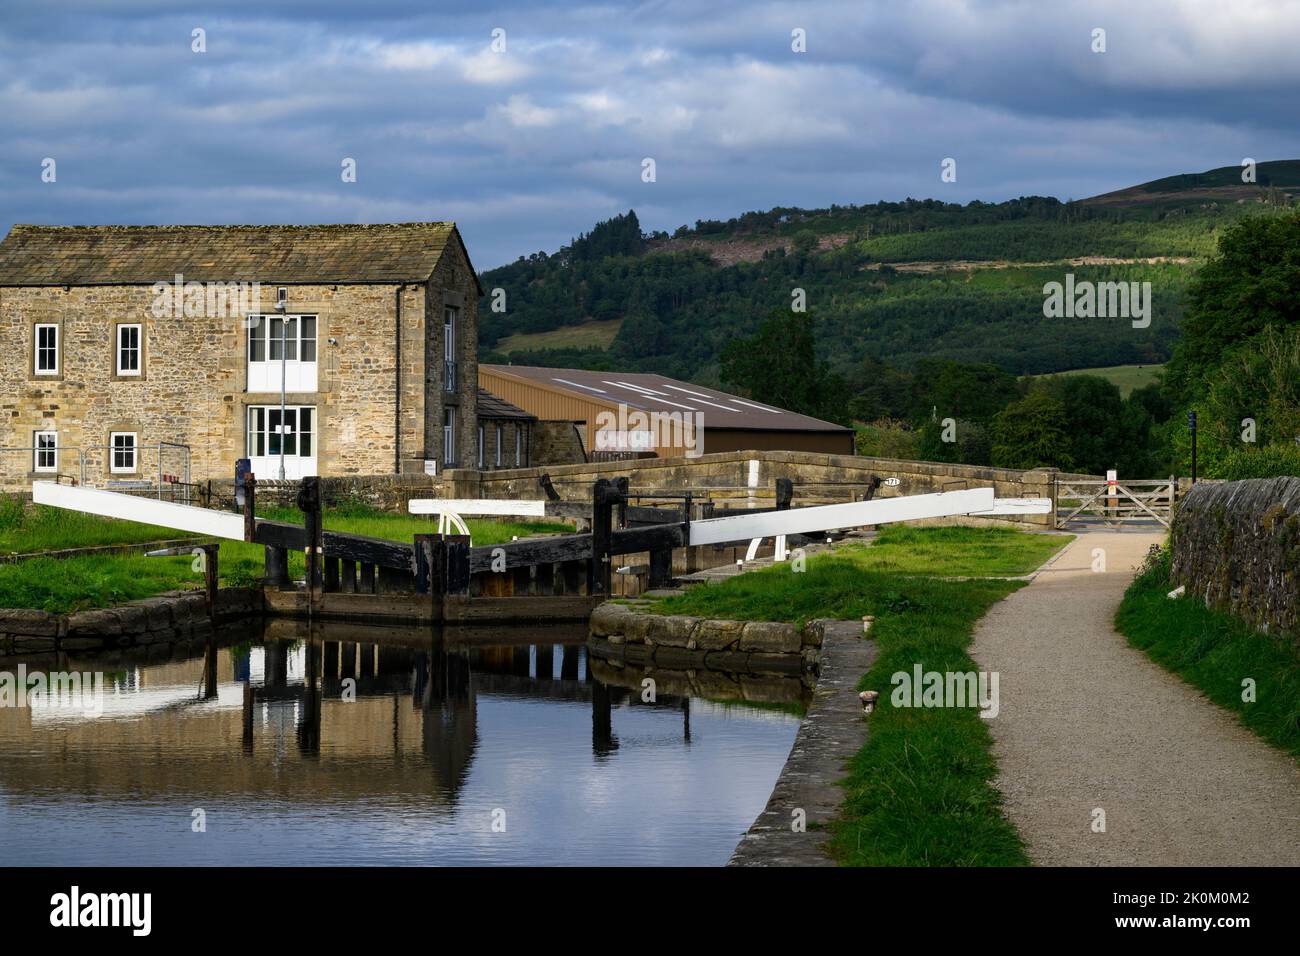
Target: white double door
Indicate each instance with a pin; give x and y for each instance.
(289, 438)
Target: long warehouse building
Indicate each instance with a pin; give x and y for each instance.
(628, 413)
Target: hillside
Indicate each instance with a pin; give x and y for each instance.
(893, 282)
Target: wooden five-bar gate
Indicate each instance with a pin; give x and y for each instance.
(1113, 503)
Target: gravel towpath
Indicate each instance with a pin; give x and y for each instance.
(1086, 722)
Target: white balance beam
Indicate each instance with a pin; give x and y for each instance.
(113, 504)
(496, 507)
(853, 514)
(1019, 506)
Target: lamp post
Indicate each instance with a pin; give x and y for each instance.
(280, 306)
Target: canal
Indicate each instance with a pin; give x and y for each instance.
(281, 744)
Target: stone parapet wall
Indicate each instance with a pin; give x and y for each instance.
(1236, 546)
(385, 492)
(748, 478)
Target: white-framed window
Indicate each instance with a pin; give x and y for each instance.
(519, 446)
(448, 437)
(267, 430)
(282, 343)
(500, 442)
(47, 349)
(449, 320)
(46, 455)
(128, 349)
(122, 453)
(480, 448)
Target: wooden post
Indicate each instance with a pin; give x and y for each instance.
(367, 585)
(661, 568)
(348, 576)
(545, 579)
(277, 567)
(250, 496)
(621, 487)
(310, 505)
(571, 577)
(427, 580)
(522, 577)
(784, 493)
(331, 574)
(456, 567)
(210, 552)
(599, 572)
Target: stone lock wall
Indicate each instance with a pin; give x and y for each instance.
(153, 623)
(625, 633)
(1236, 546)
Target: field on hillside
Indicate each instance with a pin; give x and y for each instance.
(588, 335)
(895, 282)
(1125, 377)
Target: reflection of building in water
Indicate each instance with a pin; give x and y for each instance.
(293, 738)
(305, 721)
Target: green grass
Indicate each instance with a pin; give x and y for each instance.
(1125, 377)
(587, 335)
(70, 584)
(1215, 651)
(958, 551)
(61, 585)
(37, 528)
(920, 791)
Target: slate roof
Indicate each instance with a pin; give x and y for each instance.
(290, 255)
(659, 393)
(490, 406)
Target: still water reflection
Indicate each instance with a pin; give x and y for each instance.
(452, 751)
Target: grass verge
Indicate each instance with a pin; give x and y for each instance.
(920, 791)
(1215, 652)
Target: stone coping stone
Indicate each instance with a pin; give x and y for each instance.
(164, 618)
(630, 624)
(833, 730)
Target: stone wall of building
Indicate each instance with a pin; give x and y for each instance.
(192, 389)
(558, 443)
(453, 284)
(1236, 546)
(506, 442)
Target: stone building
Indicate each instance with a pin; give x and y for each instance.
(505, 434)
(130, 349)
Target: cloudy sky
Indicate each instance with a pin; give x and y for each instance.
(530, 145)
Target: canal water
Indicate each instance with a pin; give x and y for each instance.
(374, 746)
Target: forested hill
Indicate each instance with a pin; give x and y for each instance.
(893, 282)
